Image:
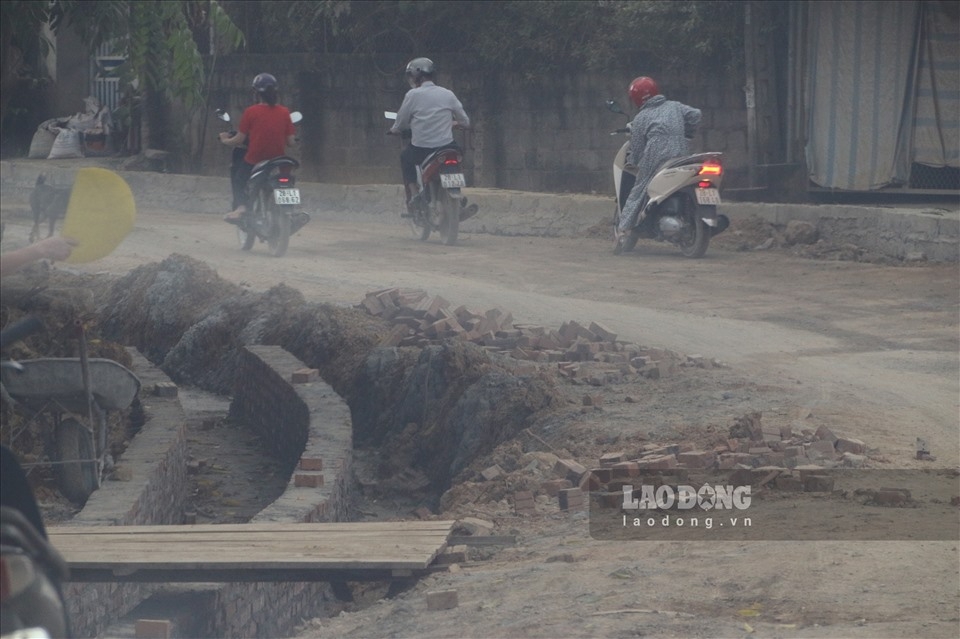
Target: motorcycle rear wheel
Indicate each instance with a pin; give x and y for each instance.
(695, 239)
(279, 238)
(245, 233)
(450, 216)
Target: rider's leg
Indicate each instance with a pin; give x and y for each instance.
(239, 175)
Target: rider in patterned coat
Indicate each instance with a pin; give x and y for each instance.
(659, 132)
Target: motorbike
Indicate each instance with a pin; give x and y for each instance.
(274, 199)
(441, 205)
(681, 201)
(32, 572)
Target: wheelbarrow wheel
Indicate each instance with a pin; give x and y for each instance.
(77, 472)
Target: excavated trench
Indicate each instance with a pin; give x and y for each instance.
(434, 409)
(420, 416)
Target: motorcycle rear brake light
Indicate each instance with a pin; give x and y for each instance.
(17, 573)
(711, 168)
(704, 184)
(283, 180)
(450, 161)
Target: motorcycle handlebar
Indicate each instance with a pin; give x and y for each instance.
(18, 330)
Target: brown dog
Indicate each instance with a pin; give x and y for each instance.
(48, 203)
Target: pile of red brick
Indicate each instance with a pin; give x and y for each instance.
(588, 352)
(763, 458)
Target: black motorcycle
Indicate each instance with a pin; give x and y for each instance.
(274, 198)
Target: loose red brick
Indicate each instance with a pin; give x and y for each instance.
(602, 332)
(850, 445)
(372, 304)
(609, 459)
(491, 473)
(310, 463)
(697, 458)
(308, 480)
(569, 469)
(589, 481)
(570, 498)
(658, 462)
(152, 629)
(304, 375)
(821, 448)
(165, 389)
(523, 502)
(824, 433)
(623, 470)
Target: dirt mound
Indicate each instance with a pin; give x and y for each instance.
(437, 409)
(153, 306)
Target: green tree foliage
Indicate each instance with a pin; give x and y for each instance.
(163, 40)
(526, 36)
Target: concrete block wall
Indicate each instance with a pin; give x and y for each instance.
(548, 134)
(156, 494)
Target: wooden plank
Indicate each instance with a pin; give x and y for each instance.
(272, 528)
(250, 552)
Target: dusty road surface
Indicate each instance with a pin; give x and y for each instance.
(870, 349)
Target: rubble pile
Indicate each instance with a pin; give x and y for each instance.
(589, 354)
(753, 454)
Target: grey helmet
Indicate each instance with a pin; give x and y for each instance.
(419, 67)
(264, 81)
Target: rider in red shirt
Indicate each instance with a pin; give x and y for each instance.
(267, 130)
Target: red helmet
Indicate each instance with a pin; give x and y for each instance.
(642, 89)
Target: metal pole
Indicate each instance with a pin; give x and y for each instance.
(99, 434)
(750, 93)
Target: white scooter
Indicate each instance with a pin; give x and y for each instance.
(681, 202)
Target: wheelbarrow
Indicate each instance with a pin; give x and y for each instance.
(78, 392)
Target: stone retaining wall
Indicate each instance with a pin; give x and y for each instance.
(307, 421)
(154, 467)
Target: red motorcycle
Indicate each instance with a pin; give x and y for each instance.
(442, 205)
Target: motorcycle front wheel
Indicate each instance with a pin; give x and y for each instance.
(419, 226)
(279, 238)
(695, 237)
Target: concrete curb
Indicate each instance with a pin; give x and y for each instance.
(895, 232)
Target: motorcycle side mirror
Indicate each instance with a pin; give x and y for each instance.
(223, 115)
(614, 107)
(296, 117)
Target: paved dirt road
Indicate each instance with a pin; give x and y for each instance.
(876, 346)
(872, 348)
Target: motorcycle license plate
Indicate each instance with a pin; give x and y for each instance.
(452, 180)
(708, 196)
(286, 196)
